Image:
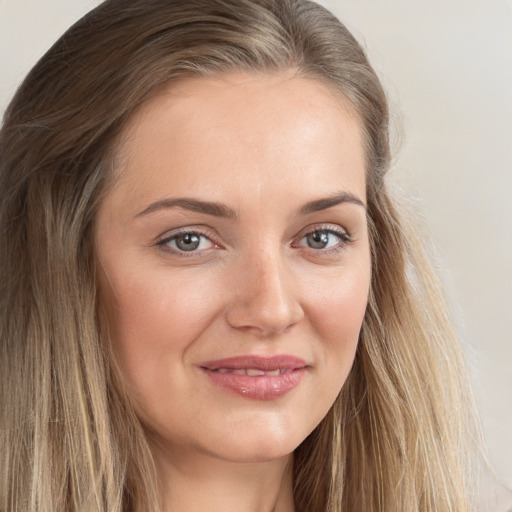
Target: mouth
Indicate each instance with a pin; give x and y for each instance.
(256, 377)
(280, 363)
(252, 372)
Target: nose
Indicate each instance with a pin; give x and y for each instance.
(264, 300)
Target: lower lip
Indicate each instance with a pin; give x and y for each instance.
(260, 387)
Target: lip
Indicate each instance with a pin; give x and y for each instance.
(258, 387)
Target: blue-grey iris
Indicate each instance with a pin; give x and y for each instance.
(318, 240)
(188, 242)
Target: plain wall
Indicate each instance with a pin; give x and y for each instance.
(447, 66)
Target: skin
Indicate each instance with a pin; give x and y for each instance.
(263, 146)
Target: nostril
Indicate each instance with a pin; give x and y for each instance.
(265, 301)
(266, 321)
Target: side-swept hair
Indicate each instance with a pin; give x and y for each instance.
(396, 438)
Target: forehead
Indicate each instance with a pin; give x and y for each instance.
(245, 129)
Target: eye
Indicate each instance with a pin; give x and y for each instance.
(320, 240)
(324, 239)
(186, 242)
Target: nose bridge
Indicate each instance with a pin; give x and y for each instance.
(265, 301)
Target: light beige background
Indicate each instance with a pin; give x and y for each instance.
(447, 66)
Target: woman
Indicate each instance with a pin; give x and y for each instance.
(210, 300)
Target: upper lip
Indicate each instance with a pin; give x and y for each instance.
(256, 362)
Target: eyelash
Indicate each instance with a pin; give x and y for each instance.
(344, 239)
(163, 244)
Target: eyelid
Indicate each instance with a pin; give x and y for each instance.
(199, 230)
(330, 227)
(342, 233)
(170, 235)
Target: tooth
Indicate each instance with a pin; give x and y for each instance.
(282, 370)
(253, 373)
(222, 370)
(238, 372)
(273, 372)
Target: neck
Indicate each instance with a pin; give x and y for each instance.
(198, 482)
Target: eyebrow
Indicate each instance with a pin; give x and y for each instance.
(224, 211)
(194, 205)
(328, 202)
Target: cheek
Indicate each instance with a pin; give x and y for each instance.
(337, 311)
(154, 319)
(341, 312)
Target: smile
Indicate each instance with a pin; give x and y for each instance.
(256, 377)
(253, 372)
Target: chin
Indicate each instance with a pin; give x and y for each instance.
(253, 456)
(257, 446)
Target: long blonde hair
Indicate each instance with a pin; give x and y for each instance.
(397, 437)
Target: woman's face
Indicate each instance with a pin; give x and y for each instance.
(235, 261)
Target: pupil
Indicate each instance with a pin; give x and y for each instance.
(188, 242)
(318, 240)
